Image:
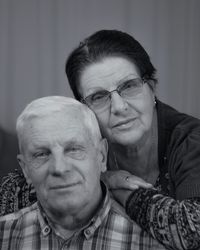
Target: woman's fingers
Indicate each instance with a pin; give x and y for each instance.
(134, 181)
(122, 183)
(122, 179)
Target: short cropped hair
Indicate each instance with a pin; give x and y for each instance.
(53, 104)
(103, 44)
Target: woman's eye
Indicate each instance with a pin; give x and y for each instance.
(128, 86)
(131, 84)
(99, 96)
(131, 87)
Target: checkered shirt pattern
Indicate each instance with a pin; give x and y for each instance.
(109, 229)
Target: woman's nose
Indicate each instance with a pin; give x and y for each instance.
(117, 103)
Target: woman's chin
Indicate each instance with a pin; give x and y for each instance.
(127, 138)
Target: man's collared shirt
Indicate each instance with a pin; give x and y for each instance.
(109, 229)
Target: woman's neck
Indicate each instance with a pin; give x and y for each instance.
(140, 159)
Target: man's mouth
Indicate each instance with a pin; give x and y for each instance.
(64, 186)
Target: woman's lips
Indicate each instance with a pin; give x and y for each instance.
(125, 124)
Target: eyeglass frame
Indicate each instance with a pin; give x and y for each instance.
(83, 100)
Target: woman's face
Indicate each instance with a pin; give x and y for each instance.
(127, 120)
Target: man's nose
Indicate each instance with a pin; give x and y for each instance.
(118, 104)
(59, 164)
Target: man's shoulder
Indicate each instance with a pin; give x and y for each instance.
(28, 215)
(118, 210)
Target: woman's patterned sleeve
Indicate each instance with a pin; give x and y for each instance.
(15, 193)
(174, 224)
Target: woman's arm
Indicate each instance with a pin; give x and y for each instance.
(175, 224)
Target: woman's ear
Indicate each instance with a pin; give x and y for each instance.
(23, 166)
(104, 154)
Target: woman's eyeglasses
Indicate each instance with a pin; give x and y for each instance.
(101, 99)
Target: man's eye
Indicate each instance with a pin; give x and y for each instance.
(75, 152)
(74, 149)
(41, 154)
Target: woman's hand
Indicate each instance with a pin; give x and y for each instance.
(121, 183)
(122, 179)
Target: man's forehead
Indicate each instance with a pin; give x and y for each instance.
(58, 139)
(56, 126)
(66, 123)
(70, 115)
(62, 141)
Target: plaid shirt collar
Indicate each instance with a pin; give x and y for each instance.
(92, 225)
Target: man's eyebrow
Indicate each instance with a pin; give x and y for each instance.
(34, 149)
(35, 145)
(72, 142)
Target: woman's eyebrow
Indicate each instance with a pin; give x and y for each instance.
(127, 78)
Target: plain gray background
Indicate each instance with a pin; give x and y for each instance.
(37, 35)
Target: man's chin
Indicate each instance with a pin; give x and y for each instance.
(65, 206)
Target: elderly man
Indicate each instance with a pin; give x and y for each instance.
(63, 155)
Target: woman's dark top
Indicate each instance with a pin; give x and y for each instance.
(171, 212)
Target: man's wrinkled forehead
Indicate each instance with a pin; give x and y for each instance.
(72, 116)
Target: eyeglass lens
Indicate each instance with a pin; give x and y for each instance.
(101, 99)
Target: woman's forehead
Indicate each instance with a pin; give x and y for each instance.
(107, 72)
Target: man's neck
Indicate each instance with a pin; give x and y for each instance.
(69, 226)
(72, 222)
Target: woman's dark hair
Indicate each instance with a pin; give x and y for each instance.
(102, 44)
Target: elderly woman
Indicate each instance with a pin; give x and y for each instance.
(153, 149)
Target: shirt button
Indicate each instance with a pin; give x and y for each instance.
(47, 230)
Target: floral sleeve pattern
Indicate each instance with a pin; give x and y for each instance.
(175, 224)
(15, 193)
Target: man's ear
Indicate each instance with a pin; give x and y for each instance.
(23, 166)
(104, 154)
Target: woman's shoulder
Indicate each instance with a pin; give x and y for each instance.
(173, 121)
(179, 144)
